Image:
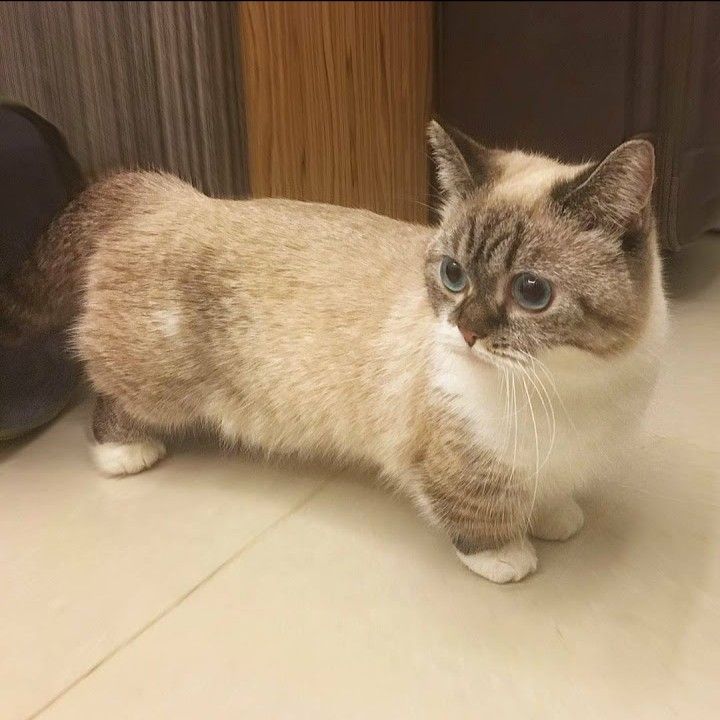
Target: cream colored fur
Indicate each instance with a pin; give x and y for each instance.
(306, 329)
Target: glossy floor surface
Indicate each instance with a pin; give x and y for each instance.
(221, 587)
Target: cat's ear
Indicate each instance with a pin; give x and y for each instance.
(618, 190)
(462, 164)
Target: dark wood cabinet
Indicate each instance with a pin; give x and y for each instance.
(576, 79)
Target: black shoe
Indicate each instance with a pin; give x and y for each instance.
(38, 177)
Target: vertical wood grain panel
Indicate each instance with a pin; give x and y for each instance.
(337, 99)
(141, 84)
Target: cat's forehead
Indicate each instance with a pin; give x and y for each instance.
(499, 232)
(527, 179)
(514, 218)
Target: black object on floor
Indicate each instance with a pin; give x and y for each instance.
(38, 177)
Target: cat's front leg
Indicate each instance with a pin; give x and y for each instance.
(483, 508)
(556, 517)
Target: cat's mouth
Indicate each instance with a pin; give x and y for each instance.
(503, 359)
(486, 352)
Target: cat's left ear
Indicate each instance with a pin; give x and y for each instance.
(618, 191)
(462, 164)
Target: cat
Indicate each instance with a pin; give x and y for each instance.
(487, 366)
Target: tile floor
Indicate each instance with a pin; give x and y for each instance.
(217, 587)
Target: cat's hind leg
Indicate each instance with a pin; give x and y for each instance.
(121, 445)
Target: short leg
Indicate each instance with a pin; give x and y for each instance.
(122, 446)
(556, 518)
(483, 507)
(509, 563)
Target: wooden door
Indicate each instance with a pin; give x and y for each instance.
(337, 97)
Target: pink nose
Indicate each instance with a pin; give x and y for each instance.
(468, 335)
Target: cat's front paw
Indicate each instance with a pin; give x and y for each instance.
(557, 520)
(509, 563)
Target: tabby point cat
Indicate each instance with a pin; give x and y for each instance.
(488, 366)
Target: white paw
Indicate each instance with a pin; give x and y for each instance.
(127, 458)
(510, 563)
(557, 520)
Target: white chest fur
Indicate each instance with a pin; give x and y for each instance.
(560, 420)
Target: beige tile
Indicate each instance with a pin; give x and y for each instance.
(86, 562)
(352, 608)
(687, 404)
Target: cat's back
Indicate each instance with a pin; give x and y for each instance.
(316, 234)
(324, 256)
(154, 219)
(156, 238)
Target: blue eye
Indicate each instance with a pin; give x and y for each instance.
(531, 292)
(452, 275)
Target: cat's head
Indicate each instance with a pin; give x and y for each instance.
(532, 254)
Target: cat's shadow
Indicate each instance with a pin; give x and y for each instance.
(644, 561)
(635, 520)
(640, 565)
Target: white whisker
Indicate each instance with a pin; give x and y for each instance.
(537, 456)
(548, 409)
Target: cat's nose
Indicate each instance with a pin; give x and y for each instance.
(468, 335)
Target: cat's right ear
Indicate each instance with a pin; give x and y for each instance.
(618, 190)
(462, 164)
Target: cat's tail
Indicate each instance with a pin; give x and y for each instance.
(44, 292)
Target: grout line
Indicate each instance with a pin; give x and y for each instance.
(179, 601)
